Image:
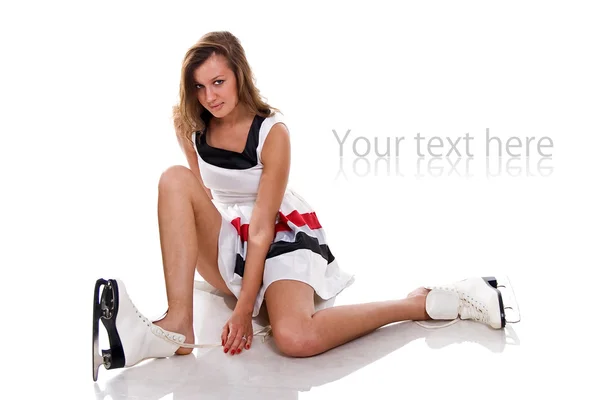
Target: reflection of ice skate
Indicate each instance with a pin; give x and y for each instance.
(472, 332)
(132, 336)
(154, 379)
(477, 299)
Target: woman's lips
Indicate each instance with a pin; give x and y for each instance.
(217, 107)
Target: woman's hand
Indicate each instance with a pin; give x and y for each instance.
(238, 326)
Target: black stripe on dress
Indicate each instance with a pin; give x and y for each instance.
(231, 159)
(301, 242)
(239, 265)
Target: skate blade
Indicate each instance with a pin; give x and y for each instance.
(106, 306)
(511, 306)
(97, 359)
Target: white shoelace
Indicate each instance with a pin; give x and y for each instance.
(265, 332)
(472, 309)
(427, 325)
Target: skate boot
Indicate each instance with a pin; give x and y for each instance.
(476, 299)
(132, 336)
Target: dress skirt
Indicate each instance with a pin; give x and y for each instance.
(299, 250)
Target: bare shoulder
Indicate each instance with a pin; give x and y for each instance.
(277, 144)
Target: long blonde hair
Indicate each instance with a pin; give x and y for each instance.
(188, 115)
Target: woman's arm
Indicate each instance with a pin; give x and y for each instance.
(192, 159)
(273, 182)
(188, 148)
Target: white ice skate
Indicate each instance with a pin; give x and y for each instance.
(477, 299)
(131, 335)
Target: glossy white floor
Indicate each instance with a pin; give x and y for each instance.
(396, 358)
(87, 91)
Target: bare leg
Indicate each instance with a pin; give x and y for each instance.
(339, 325)
(300, 332)
(189, 227)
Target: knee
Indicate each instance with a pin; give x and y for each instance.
(295, 339)
(175, 176)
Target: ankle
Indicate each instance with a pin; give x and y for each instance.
(175, 321)
(420, 307)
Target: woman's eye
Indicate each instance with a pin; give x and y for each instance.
(199, 86)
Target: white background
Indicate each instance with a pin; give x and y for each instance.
(86, 95)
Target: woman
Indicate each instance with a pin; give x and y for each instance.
(232, 217)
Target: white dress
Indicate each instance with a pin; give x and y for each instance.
(299, 250)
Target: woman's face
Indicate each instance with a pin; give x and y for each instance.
(216, 86)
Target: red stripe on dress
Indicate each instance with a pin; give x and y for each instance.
(242, 230)
(281, 227)
(298, 219)
(309, 219)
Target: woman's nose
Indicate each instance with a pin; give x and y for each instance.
(210, 95)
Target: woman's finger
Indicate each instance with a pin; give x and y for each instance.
(237, 343)
(233, 331)
(248, 342)
(224, 335)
